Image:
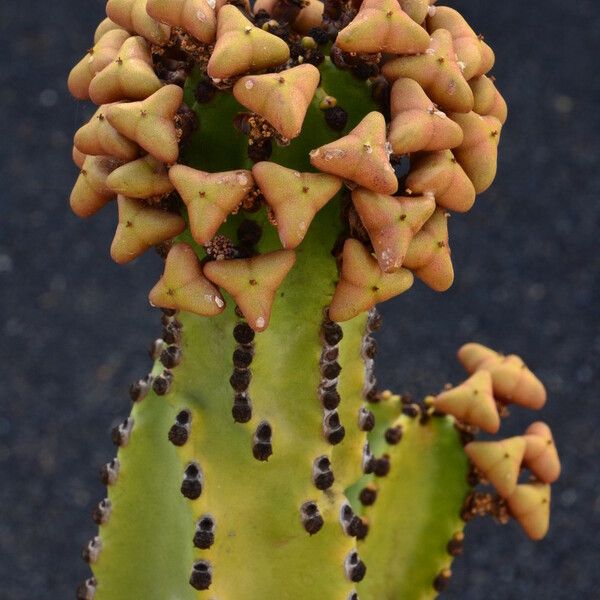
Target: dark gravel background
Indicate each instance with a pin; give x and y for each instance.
(75, 326)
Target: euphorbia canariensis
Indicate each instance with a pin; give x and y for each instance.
(294, 163)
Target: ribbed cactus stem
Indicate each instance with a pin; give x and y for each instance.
(260, 531)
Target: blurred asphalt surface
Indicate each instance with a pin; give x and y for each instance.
(75, 326)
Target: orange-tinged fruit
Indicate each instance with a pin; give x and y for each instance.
(439, 173)
(530, 506)
(183, 286)
(253, 282)
(437, 71)
(141, 227)
(541, 456)
(281, 98)
(478, 153)
(151, 122)
(415, 9)
(78, 157)
(145, 177)
(417, 123)
(194, 16)
(471, 402)
(363, 284)
(104, 27)
(133, 16)
(102, 54)
(499, 462)
(209, 197)
(310, 15)
(243, 47)
(428, 254)
(382, 26)
(294, 197)
(130, 76)
(361, 156)
(99, 137)
(473, 356)
(513, 381)
(488, 100)
(391, 222)
(472, 52)
(91, 192)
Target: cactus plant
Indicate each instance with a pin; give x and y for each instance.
(293, 162)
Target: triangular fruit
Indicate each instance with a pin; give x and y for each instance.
(91, 191)
(428, 254)
(488, 100)
(382, 26)
(99, 137)
(499, 462)
(471, 402)
(133, 16)
(474, 55)
(184, 287)
(101, 55)
(210, 197)
(417, 124)
(438, 73)
(281, 98)
(145, 177)
(151, 122)
(478, 153)
(141, 227)
(391, 223)
(439, 173)
(363, 284)
(513, 381)
(194, 16)
(130, 76)
(253, 282)
(530, 506)
(361, 156)
(541, 456)
(294, 197)
(242, 47)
